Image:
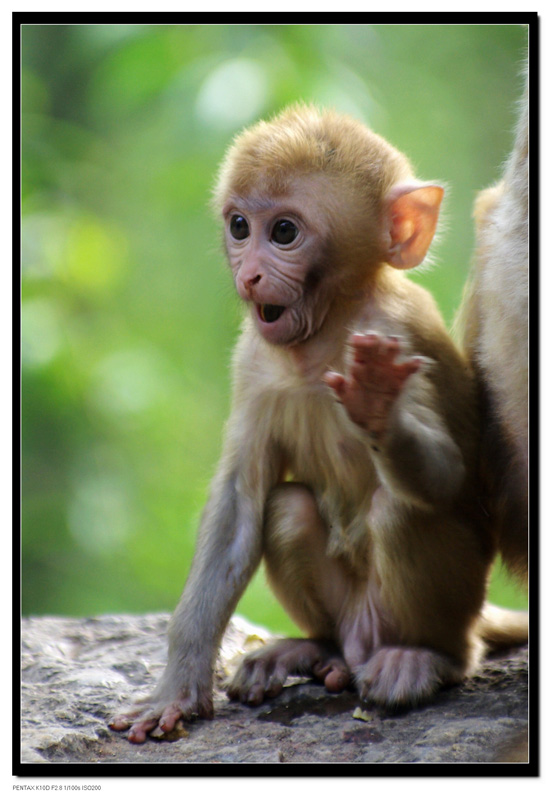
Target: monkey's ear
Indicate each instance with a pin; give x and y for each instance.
(412, 213)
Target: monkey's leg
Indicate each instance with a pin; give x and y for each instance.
(311, 587)
(432, 641)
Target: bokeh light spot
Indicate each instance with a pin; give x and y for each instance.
(234, 93)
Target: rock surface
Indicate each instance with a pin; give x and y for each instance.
(77, 672)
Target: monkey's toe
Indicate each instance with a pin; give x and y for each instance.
(334, 673)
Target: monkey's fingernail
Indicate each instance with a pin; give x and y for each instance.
(137, 736)
(420, 361)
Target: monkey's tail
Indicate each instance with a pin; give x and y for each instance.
(500, 628)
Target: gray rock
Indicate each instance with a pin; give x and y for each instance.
(77, 672)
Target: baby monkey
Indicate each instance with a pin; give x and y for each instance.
(350, 454)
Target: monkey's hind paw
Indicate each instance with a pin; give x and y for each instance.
(404, 676)
(262, 674)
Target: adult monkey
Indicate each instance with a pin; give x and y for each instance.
(350, 466)
(494, 326)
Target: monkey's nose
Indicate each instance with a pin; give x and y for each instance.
(250, 282)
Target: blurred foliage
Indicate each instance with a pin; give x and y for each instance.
(128, 314)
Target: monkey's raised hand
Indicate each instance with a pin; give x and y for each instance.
(375, 381)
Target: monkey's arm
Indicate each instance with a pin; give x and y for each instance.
(417, 458)
(228, 552)
(396, 404)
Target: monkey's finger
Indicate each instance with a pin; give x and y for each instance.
(120, 723)
(365, 346)
(337, 383)
(372, 347)
(139, 730)
(170, 716)
(411, 366)
(124, 720)
(368, 339)
(390, 347)
(420, 361)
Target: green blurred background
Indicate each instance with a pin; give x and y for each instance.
(128, 312)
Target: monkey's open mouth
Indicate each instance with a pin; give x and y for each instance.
(269, 313)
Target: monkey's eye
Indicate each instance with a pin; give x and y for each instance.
(284, 232)
(238, 227)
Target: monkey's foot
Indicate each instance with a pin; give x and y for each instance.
(160, 716)
(375, 380)
(262, 673)
(397, 676)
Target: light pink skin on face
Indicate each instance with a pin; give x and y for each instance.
(272, 275)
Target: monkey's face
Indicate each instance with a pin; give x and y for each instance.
(277, 251)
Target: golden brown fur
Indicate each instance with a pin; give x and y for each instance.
(349, 464)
